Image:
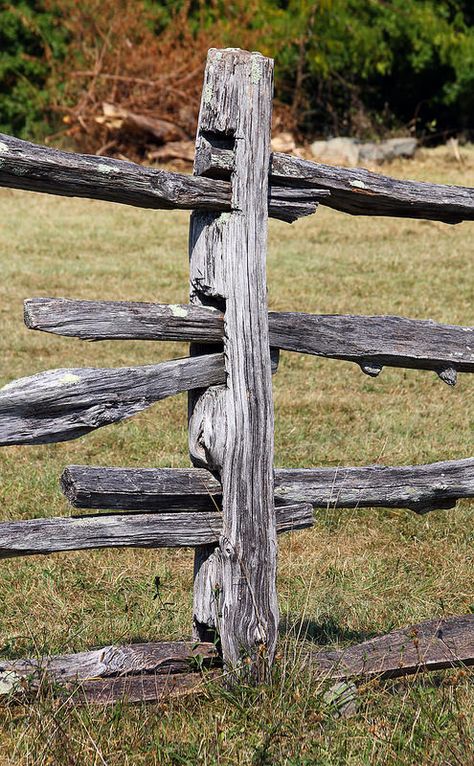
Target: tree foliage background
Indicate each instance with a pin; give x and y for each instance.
(343, 67)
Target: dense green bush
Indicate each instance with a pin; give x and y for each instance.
(342, 66)
(31, 41)
(358, 65)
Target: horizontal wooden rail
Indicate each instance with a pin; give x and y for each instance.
(439, 644)
(420, 488)
(58, 405)
(24, 165)
(369, 341)
(296, 185)
(358, 191)
(141, 530)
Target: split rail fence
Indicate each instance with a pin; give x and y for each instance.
(232, 504)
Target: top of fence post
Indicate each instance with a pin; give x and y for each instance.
(231, 427)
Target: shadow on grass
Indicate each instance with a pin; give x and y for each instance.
(323, 632)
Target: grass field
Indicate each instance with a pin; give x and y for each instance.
(358, 573)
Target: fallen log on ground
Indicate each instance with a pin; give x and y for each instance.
(156, 671)
(439, 644)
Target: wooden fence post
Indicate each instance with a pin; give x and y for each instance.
(231, 426)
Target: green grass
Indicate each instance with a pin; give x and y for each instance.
(358, 573)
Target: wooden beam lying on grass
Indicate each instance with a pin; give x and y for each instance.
(154, 671)
(131, 530)
(28, 166)
(370, 341)
(420, 488)
(358, 191)
(142, 688)
(161, 658)
(135, 673)
(436, 644)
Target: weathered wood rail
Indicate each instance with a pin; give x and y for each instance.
(58, 405)
(148, 672)
(420, 488)
(357, 191)
(232, 504)
(296, 186)
(41, 169)
(143, 530)
(370, 341)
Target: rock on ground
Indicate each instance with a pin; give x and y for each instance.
(349, 151)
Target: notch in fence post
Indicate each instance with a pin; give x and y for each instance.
(231, 426)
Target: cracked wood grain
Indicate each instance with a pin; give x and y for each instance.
(133, 530)
(372, 342)
(155, 671)
(439, 644)
(31, 167)
(58, 405)
(231, 428)
(358, 191)
(112, 661)
(420, 488)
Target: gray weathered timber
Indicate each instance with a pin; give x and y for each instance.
(370, 341)
(131, 530)
(234, 426)
(420, 488)
(58, 405)
(41, 169)
(112, 320)
(377, 341)
(433, 645)
(438, 644)
(133, 688)
(110, 661)
(24, 165)
(154, 671)
(141, 489)
(358, 191)
(142, 688)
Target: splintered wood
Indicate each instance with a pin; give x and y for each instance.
(231, 428)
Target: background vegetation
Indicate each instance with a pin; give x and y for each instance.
(359, 67)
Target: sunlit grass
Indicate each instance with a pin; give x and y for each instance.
(356, 574)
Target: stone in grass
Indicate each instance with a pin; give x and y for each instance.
(386, 151)
(349, 151)
(341, 699)
(336, 151)
(9, 682)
